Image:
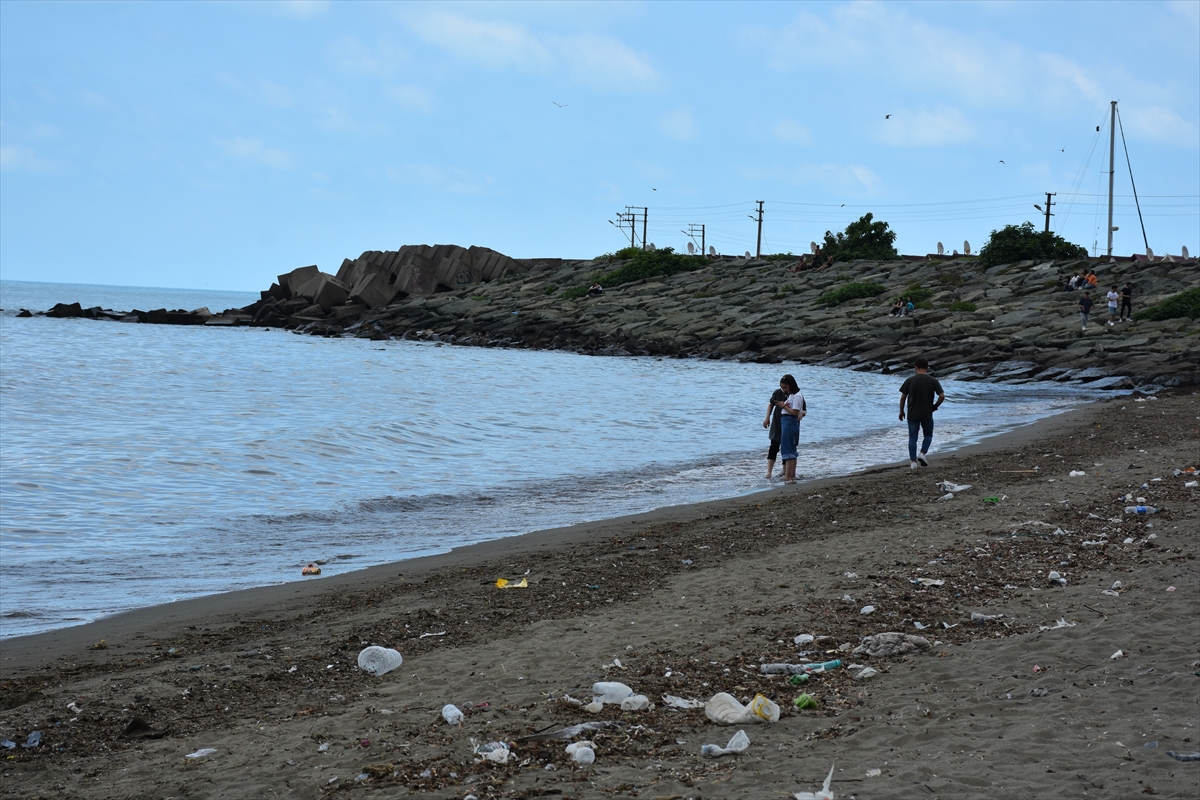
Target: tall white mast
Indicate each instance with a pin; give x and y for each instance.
(1112, 141)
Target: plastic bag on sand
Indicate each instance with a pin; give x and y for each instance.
(825, 794)
(582, 752)
(724, 709)
(891, 644)
(635, 702)
(379, 660)
(737, 744)
(611, 692)
(678, 702)
(493, 751)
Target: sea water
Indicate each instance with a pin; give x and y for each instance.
(141, 464)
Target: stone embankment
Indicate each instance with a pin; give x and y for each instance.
(1012, 322)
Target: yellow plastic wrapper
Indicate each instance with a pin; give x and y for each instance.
(504, 583)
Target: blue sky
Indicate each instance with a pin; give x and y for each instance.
(216, 145)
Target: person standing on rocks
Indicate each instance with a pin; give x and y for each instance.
(917, 392)
(1085, 308)
(1127, 303)
(771, 423)
(791, 410)
(1112, 297)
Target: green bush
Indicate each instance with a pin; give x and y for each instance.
(1185, 304)
(650, 264)
(574, 293)
(916, 294)
(963, 305)
(851, 291)
(862, 239)
(1022, 242)
(551, 289)
(779, 257)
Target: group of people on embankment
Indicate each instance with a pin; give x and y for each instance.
(920, 395)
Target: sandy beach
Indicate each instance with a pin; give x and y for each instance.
(1080, 690)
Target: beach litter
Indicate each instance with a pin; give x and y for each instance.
(569, 732)
(991, 500)
(1078, 473)
(737, 744)
(874, 773)
(804, 638)
(724, 709)
(796, 680)
(892, 643)
(977, 617)
(202, 752)
(505, 583)
(1191, 484)
(946, 496)
(671, 701)
(1054, 577)
(947, 486)
(867, 610)
(637, 702)
(451, 714)
(866, 673)
(928, 582)
(804, 701)
(496, 752)
(33, 740)
(311, 569)
(799, 669)
(375, 660)
(1193, 756)
(825, 792)
(582, 752)
(611, 692)
(1062, 623)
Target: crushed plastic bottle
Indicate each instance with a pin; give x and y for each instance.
(451, 714)
(1141, 510)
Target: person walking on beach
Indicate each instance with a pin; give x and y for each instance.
(1127, 303)
(791, 411)
(917, 393)
(1112, 297)
(1085, 308)
(771, 423)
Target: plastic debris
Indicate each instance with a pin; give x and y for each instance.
(504, 583)
(796, 680)
(737, 744)
(1062, 623)
(977, 617)
(594, 707)
(799, 669)
(928, 582)
(1111, 593)
(34, 739)
(74, 708)
(1140, 508)
(611, 692)
(1116, 655)
(451, 714)
(568, 732)
(724, 709)
(891, 644)
(496, 752)
(636, 702)
(672, 701)
(575, 747)
(867, 610)
(1193, 756)
(311, 569)
(804, 701)
(946, 496)
(1078, 473)
(824, 794)
(874, 773)
(1191, 484)
(1054, 577)
(377, 661)
(202, 752)
(991, 500)
(866, 673)
(947, 486)
(8, 744)
(804, 638)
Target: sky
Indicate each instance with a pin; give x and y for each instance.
(217, 145)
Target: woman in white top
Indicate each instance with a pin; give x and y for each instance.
(789, 426)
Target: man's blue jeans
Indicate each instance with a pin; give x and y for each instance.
(926, 427)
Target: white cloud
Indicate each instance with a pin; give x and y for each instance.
(598, 61)
(24, 159)
(411, 98)
(452, 180)
(925, 128)
(789, 131)
(255, 151)
(350, 55)
(679, 125)
(1157, 124)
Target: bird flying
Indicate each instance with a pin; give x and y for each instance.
(888, 116)
(560, 105)
(1002, 161)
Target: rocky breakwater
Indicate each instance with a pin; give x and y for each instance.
(1010, 322)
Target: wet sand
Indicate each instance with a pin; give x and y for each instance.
(689, 600)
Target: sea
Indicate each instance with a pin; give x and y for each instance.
(143, 464)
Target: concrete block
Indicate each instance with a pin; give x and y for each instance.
(456, 274)
(343, 273)
(418, 277)
(291, 281)
(330, 292)
(373, 290)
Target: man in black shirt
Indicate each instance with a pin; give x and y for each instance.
(918, 392)
(1085, 308)
(1127, 303)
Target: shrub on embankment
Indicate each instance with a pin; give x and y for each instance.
(642, 264)
(851, 291)
(1183, 305)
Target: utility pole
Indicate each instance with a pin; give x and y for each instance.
(691, 234)
(632, 217)
(645, 217)
(758, 247)
(1112, 142)
(622, 218)
(1049, 203)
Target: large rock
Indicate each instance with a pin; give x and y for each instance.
(290, 282)
(326, 291)
(373, 291)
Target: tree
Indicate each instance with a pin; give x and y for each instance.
(862, 239)
(1023, 242)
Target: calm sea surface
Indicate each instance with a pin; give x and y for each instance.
(141, 464)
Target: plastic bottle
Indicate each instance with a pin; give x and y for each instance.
(451, 714)
(798, 669)
(611, 691)
(1141, 510)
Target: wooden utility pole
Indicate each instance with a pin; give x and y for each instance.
(758, 247)
(1049, 203)
(1112, 142)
